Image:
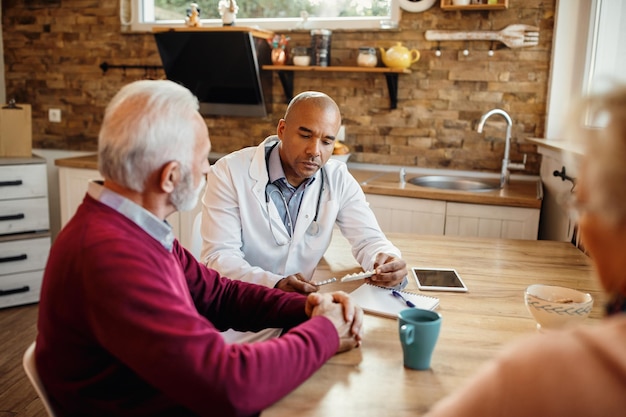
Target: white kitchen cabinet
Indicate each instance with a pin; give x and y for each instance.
(24, 229)
(73, 183)
(414, 215)
(556, 220)
(408, 215)
(483, 220)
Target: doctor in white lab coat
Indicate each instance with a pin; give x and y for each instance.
(247, 228)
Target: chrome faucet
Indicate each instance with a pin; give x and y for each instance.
(402, 175)
(506, 161)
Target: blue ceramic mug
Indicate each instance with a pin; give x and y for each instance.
(419, 331)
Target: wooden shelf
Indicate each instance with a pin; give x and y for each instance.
(336, 69)
(500, 5)
(286, 74)
(256, 32)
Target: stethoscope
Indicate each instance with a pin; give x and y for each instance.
(314, 227)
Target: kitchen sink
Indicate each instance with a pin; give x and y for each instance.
(445, 182)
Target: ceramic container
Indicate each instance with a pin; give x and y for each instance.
(278, 56)
(555, 307)
(399, 56)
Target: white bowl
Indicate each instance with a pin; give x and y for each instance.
(557, 307)
(342, 158)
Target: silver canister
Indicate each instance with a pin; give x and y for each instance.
(320, 47)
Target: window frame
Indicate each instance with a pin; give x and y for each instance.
(607, 28)
(133, 22)
(572, 72)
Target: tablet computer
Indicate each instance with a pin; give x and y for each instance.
(438, 279)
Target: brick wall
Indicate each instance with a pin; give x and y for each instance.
(53, 53)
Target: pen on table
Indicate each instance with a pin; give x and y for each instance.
(397, 294)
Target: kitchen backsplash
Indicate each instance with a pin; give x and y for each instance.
(53, 56)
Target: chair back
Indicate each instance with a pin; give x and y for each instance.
(31, 371)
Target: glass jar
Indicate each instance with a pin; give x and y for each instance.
(367, 57)
(301, 57)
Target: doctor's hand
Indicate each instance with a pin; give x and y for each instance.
(342, 311)
(296, 283)
(390, 271)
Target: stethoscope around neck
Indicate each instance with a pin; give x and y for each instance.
(314, 227)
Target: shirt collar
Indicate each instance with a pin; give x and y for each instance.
(276, 171)
(148, 222)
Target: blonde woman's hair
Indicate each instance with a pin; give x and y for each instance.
(598, 126)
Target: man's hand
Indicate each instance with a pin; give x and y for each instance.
(390, 271)
(296, 283)
(345, 315)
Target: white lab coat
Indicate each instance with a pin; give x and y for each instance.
(238, 242)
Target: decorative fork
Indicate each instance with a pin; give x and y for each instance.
(513, 36)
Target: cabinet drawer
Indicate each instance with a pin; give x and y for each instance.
(408, 214)
(28, 215)
(23, 181)
(19, 289)
(24, 255)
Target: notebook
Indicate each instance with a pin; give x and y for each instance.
(378, 300)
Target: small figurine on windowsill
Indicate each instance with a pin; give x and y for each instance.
(228, 10)
(193, 16)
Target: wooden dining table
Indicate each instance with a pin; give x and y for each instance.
(372, 381)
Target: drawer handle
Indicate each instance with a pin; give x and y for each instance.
(12, 217)
(14, 258)
(25, 288)
(10, 183)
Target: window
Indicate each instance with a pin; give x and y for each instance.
(274, 15)
(587, 55)
(605, 58)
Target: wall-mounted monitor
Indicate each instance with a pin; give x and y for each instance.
(222, 68)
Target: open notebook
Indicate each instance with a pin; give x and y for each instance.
(378, 300)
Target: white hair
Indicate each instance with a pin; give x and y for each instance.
(146, 125)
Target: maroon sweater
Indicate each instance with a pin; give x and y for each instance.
(127, 328)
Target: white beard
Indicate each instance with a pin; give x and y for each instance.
(185, 197)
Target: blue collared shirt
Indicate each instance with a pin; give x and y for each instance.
(148, 222)
(284, 195)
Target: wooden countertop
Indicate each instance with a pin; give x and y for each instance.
(82, 162)
(21, 160)
(519, 193)
(372, 381)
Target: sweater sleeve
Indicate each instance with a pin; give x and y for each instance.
(144, 310)
(220, 299)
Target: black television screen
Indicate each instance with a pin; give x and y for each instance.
(222, 68)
